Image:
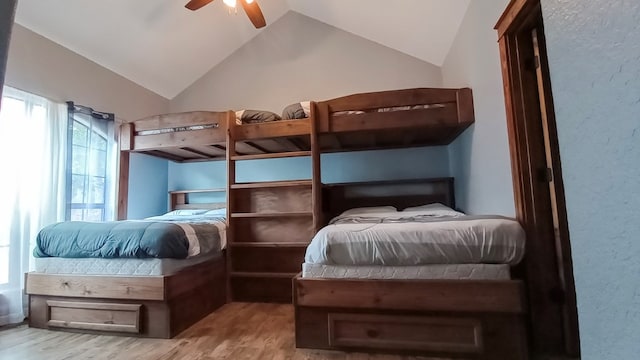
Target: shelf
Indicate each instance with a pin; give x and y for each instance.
(271, 184)
(269, 244)
(238, 274)
(272, 215)
(278, 155)
(197, 191)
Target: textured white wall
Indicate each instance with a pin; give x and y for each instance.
(7, 12)
(594, 58)
(298, 58)
(40, 66)
(480, 156)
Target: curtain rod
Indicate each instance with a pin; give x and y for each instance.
(89, 111)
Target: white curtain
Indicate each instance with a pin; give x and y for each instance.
(33, 138)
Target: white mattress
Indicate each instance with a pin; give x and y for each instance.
(424, 272)
(392, 240)
(102, 266)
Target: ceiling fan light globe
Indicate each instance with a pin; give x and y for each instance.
(230, 3)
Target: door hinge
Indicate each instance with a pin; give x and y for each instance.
(545, 175)
(536, 62)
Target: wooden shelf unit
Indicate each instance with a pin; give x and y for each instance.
(270, 222)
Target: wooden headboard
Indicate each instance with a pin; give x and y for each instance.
(399, 193)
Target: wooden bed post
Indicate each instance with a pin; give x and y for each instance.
(125, 143)
(316, 178)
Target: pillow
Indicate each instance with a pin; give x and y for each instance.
(370, 210)
(186, 212)
(255, 116)
(217, 212)
(435, 209)
(299, 110)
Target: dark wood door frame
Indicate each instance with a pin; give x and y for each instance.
(529, 104)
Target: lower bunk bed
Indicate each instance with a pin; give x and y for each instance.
(177, 276)
(375, 280)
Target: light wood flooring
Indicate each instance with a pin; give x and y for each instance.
(236, 331)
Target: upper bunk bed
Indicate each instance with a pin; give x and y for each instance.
(368, 121)
(189, 136)
(365, 121)
(395, 118)
(202, 136)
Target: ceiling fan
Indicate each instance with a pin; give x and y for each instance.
(250, 7)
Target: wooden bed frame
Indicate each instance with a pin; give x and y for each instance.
(449, 114)
(201, 135)
(474, 319)
(144, 306)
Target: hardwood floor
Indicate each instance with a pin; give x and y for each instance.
(236, 331)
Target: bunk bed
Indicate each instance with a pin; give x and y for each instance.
(268, 237)
(391, 119)
(150, 297)
(477, 317)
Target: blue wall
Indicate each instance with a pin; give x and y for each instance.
(594, 58)
(148, 178)
(340, 167)
(480, 158)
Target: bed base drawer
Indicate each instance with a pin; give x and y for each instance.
(107, 317)
(433, 334)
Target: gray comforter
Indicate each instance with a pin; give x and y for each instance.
(127, 239)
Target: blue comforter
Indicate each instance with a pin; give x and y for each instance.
(115, 239)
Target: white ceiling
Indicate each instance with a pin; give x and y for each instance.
(165, 48)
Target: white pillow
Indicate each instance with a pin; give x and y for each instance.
(370, 210)
(186, 212)
(435, 209)
(218, 212)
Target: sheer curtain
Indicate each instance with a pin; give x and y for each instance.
(33, 137)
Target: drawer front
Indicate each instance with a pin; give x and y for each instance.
(94, 316)
(451, 335)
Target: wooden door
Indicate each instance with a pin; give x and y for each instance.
(537, 178)
(556, 192)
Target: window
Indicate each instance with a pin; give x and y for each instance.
(88, 159)
(90, 170)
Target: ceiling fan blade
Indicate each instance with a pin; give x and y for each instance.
(254, 13)
(197, 4)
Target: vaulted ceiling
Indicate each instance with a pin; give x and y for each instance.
(164, 47)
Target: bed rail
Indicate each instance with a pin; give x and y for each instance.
(180, 137)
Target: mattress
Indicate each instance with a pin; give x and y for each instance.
(122, 267)
(402, 239)
(424, 272)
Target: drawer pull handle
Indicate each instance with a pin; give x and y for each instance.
(372, 333)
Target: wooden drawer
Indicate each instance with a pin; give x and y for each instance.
(417, 333)
(109, 317)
